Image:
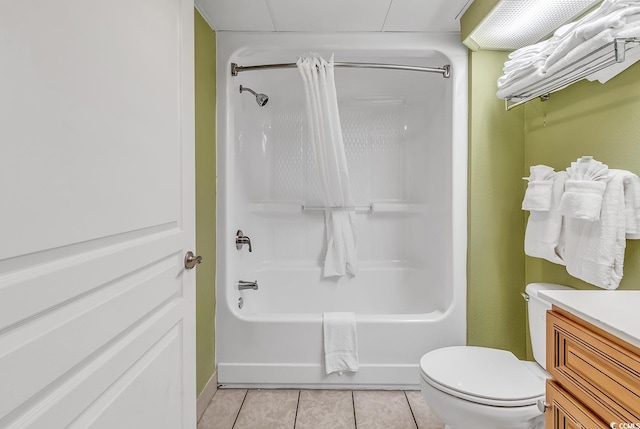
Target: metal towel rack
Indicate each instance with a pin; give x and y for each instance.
(597, 60)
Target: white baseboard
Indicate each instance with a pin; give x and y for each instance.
(369, 376)
(207, 394)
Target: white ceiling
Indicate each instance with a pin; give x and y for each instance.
(333, 15)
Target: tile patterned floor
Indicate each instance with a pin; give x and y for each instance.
(318, 409)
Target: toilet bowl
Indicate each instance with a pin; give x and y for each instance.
(483, 388)
(473, 387)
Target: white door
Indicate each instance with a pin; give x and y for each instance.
(97, 311)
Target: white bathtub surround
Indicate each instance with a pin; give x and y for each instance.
(405, 137)
(325, 138)
(340, 342)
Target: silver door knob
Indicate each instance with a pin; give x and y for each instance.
(191, 260)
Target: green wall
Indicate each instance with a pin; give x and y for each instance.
(205, 83)
(495, 309)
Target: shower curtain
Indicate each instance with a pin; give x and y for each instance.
(325, 137)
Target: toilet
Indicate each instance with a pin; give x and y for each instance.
(483, 388)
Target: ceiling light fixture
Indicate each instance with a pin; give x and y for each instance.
(512, 24)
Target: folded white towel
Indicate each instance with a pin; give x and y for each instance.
(582, 199)
(632, 206)
(537, 197)
(583, 191)
(565, 50)
(597, 32)
(340, 342)
(594, 251)
(544, 229)
(616, 19)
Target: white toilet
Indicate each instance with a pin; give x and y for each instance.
(481, 388)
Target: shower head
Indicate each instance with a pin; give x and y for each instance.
(261, 99)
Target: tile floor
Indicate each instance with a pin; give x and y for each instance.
(318, 409)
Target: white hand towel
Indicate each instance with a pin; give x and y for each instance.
(583, 191)
(538, 195)
(545, 227)
(594, 251)
(340, 342)
(632, 206)
(582, 199)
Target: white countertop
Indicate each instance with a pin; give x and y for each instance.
(615, 311)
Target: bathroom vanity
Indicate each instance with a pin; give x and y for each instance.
(593, 356)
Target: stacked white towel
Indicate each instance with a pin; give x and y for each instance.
(544, 228)
(584, 189)
(594, 251)
(340, 342)
(593, 34)
(563, 51)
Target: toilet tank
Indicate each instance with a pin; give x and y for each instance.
(538, 307)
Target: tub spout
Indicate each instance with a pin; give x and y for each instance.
(241, 240)
(243, 285)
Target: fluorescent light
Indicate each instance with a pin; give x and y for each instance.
(512, 24)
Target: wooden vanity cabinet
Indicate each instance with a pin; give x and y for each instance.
(595, 375)
(566, 412)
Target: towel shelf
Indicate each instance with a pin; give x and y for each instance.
(592, 62)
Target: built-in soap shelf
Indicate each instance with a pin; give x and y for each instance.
(373, 208)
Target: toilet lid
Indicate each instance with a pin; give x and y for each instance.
(483, 375)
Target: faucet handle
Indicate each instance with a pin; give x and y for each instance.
(241, 240)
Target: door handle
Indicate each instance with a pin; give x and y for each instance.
(191, 260)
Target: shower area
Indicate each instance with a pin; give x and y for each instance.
(405, 137)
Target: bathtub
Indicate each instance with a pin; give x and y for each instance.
(405, 136)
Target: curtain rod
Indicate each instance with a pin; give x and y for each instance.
(444, 70)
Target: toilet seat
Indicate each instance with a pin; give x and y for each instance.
(482, 375)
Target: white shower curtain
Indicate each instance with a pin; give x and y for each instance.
(325, 136)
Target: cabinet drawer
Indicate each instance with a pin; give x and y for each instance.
(566, 412)
(599, 372)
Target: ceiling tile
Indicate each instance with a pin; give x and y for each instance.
(329, 15)
(421, 15)
(237, 15)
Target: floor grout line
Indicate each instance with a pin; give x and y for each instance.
(295, 419)
(410, 409)
(353, 402)
(240, 409)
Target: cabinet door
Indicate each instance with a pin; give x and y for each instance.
(601, 374)
(567, 413)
